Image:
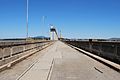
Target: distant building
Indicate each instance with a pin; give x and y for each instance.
(53, 33)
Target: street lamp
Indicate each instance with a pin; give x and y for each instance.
(43, 23)
(27, 20)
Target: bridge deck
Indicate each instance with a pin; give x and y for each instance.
(61, 62)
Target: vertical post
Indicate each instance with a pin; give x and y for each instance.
(3, 50)
(100, 48)
(43, 20)
(43, 25)
(90, 44)
(27, 20)
(11, 51)
(116, 49)
(24, 47)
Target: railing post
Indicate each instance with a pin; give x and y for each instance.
(3, 53)
(116, 49)
(24, 48)
(100, 48)
(90, 44)
(11, 51)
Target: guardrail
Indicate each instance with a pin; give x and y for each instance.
(13, 52)
(107, 50)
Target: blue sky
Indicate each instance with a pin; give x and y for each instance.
(75, 18)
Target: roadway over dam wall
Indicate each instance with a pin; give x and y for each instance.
(60, 62)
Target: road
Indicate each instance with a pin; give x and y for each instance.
(59, 62)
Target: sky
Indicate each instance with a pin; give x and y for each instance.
(74, 18)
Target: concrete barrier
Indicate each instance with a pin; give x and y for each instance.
(100, 59)
(6, 52)
(107, 50)
(11, 54)
(1, 53)
(17, 49)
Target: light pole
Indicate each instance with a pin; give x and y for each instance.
(43, 24)
(27, 20)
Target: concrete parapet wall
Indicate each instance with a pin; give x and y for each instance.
(107, 50)
(13, 52)
(17, 49)
(6, 52)
(1, 53)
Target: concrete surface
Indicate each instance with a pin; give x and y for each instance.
(61, 62)
(15, 71)
(69, 64)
